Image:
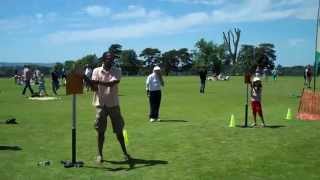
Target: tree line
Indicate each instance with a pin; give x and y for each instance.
(228, 57)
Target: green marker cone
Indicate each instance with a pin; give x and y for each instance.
(289, 114)
(125, 136)
(232, 121)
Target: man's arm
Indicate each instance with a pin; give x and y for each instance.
(96, 82)
(147, 85)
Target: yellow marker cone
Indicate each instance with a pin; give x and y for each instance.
(289, 114)
(232, 121)
(125, 136)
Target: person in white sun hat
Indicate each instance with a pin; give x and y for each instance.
(256, 91)
(153, 87)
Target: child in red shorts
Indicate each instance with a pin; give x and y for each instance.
(256, 90)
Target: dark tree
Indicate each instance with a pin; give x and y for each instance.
(129, 62)
(151, 56)
(231, 41)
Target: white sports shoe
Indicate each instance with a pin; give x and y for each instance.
(99, 159)
(158, 119)
(152, 120)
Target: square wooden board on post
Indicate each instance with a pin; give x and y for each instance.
(74, 83)
(247, 78)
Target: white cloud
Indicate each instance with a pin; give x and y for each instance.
(250, 11)
(39, 16)
(303, 9)
(263, 10)
(137, 12)
(97, 11)
(281, 3)
(10, 25)
(294, 42)
(245, 11)
(161, 26)
(300, 9)
(203, 2)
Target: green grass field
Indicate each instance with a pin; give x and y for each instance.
(192, 142)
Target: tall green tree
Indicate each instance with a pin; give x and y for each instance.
(266, 55)
(176, 60)
(115, 49)
(151, 56)
(246, 61)
(170, 61)
(209, 55)
(68, 65)
(90, 59)
(129, 61)
(185, 59)
(58, 67)
(250, 57)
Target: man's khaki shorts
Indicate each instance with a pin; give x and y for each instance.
(102, 112)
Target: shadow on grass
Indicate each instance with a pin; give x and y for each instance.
(10, 121)
(172, 121)
(275, 126)
(10, 148)
(134, 163)
(268, 126)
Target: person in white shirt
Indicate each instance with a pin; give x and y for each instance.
(88, 74)
(27, 75)
(153, 86)
(105, 80)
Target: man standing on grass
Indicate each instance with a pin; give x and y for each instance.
(27, 75)
(275, 73)
(105, 80)
(153, 86)
(203, 78)
(55, 81)
(308, 76)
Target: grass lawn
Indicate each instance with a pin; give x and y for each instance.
(193, 141)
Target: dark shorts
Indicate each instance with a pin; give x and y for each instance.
(55, 84)
(102, 112)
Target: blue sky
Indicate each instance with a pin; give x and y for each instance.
(59, 30)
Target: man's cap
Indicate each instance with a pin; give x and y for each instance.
(108, 56)
(156, 68)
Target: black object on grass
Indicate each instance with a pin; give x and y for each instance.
(11, 121)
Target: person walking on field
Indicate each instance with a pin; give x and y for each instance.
(256, 91)
(153, 87)
(308, 76)
(105, 80)
(37, 74)
(275, 74)
(203, 77)
(42, 87)
(88, 74)
(55, 81)
(27, 75)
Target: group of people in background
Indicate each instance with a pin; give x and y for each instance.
(28, 78)
(104, 82)
(256, 88)
(255, 92)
